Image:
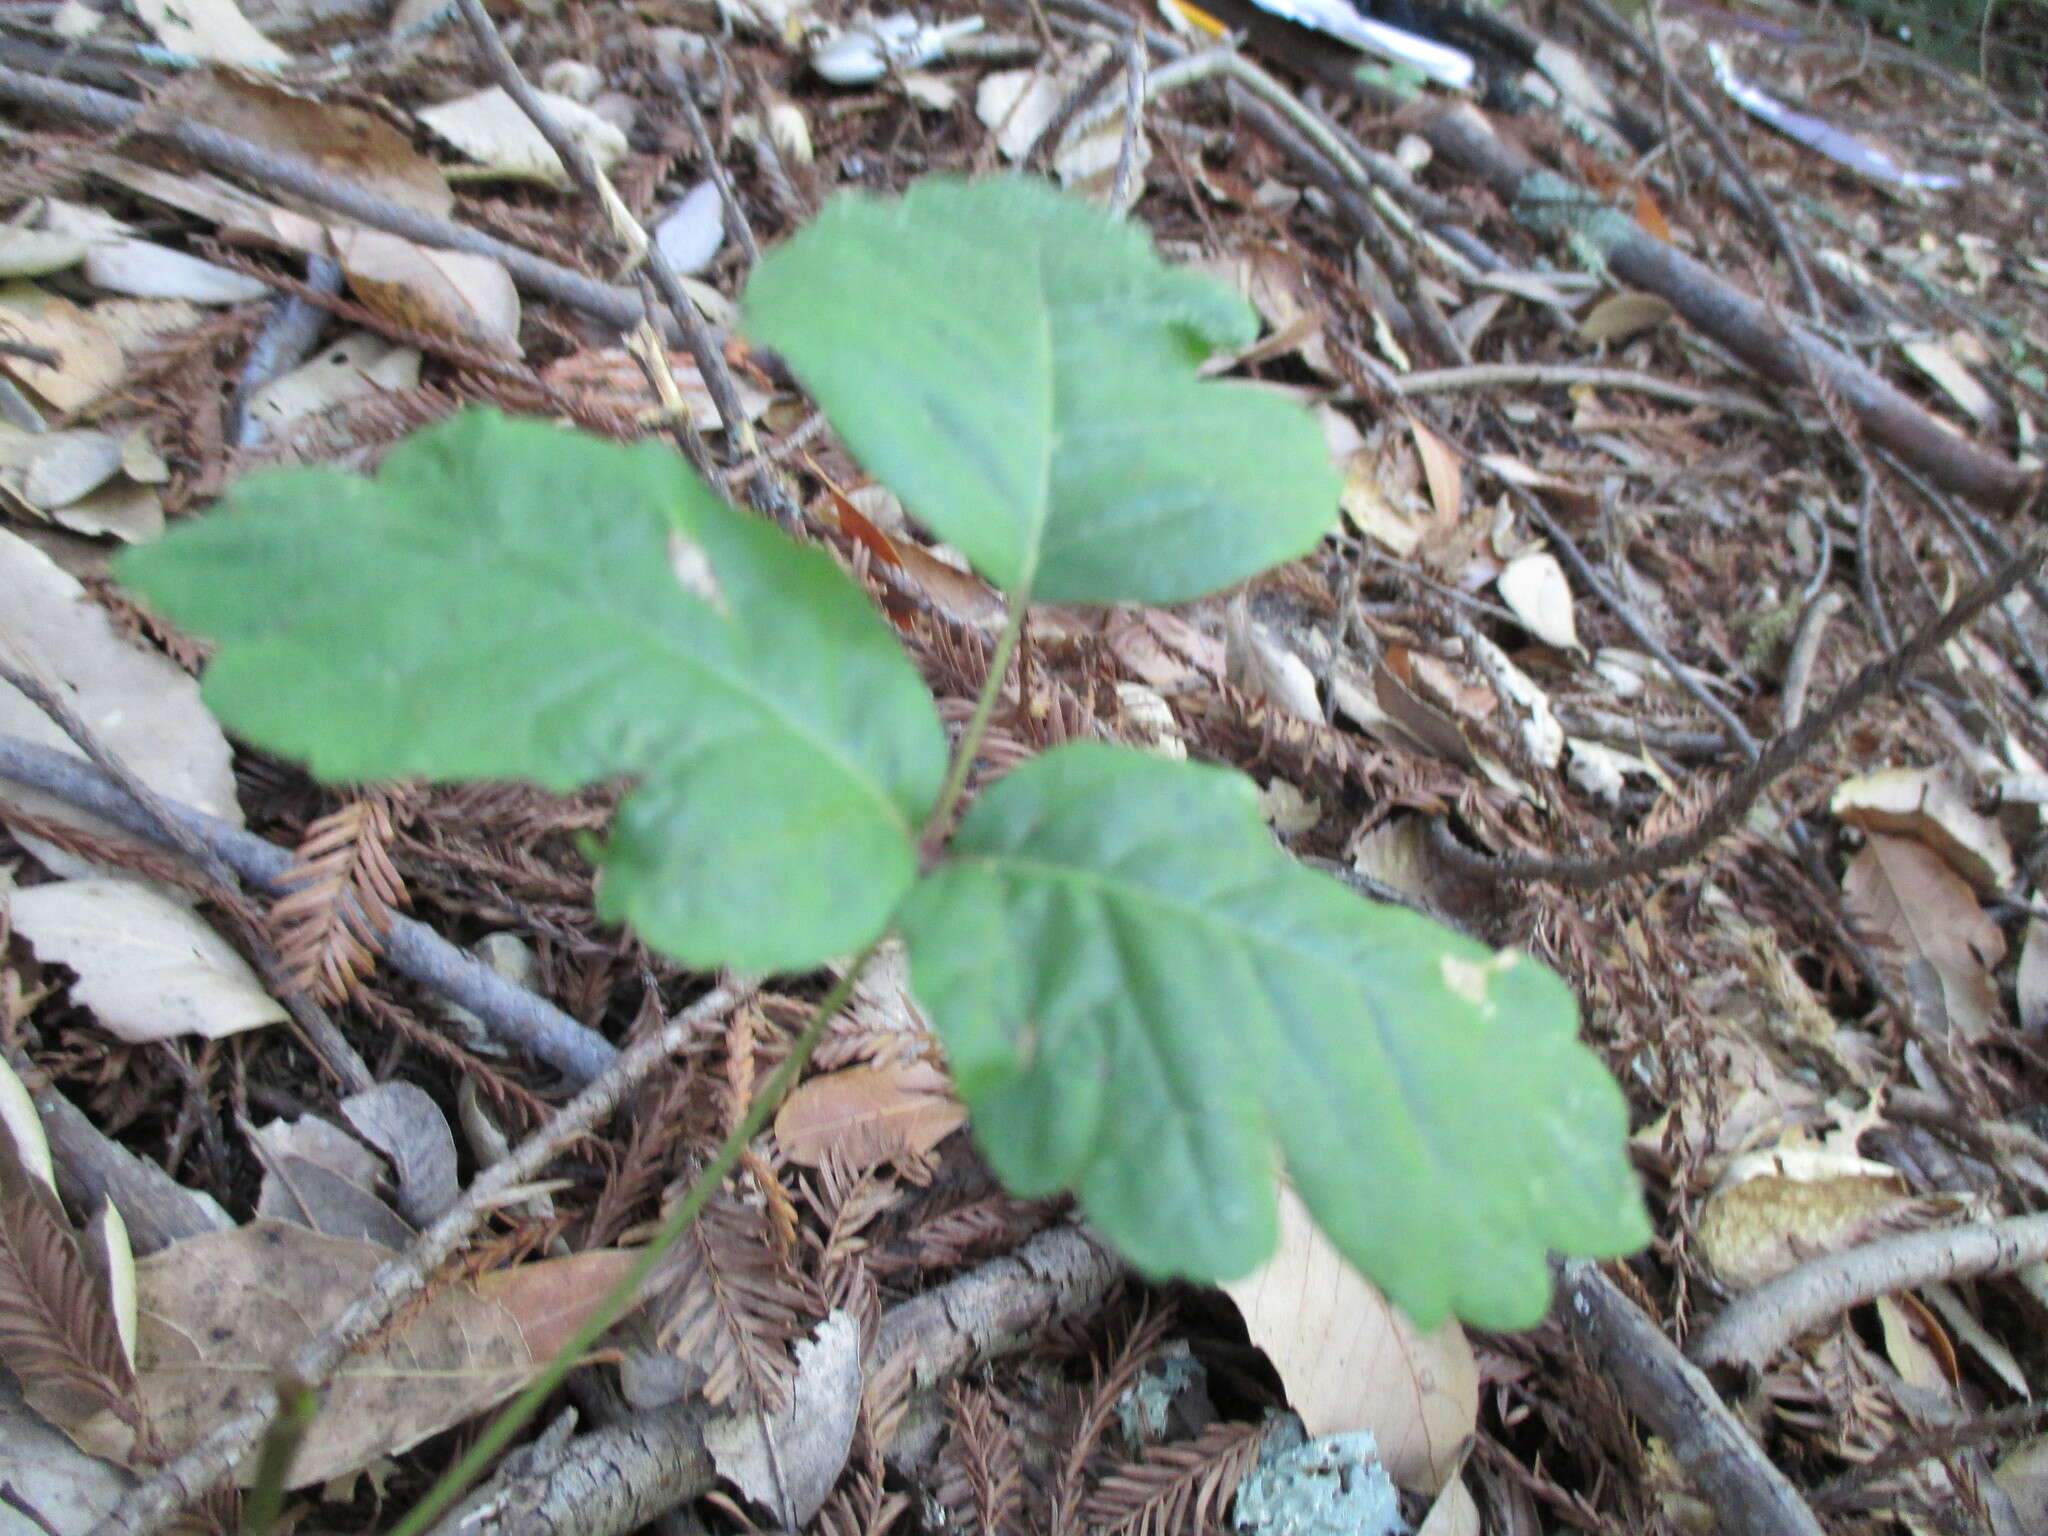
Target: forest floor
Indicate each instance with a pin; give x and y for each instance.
(1625, 510)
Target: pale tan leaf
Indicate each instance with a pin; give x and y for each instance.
(1443, 470)
(1935, 358)
(224, 1310)
(1350, 1360)
(240, 215)
(1534, 588)
(1256, 661)
(1908, 894)
(134, 514)
(490, 128)
(468, 298)
(2030, 988)
(358, 146)
(89, 360)
(1915, 1344)
(867, 1115)
(354, 367)
(147, 967)
(1621, 315)
(1926, 803)
(2022, 1475)
(1453, 1514)
(209, 29)
(1966, 1326)
(22, 1128)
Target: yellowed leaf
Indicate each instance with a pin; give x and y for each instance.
(867, 1115)
(1351, 1360)
(1757, 1229)
(465, 297)
(1622, 315)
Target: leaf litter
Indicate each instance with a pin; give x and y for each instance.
(1868, 952)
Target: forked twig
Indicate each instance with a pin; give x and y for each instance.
(206, 1465)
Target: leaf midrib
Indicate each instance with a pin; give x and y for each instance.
(1202, 917)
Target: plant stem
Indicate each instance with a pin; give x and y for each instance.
(509, 1422)
(936, 825)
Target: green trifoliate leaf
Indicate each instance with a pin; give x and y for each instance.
(506, 599)
(1146, 1000)
(1020, 370)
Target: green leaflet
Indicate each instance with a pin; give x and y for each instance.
(1019, 369)
(1145, 999)
(500, 601)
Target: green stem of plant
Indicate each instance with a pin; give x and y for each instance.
(457, 1479)
(977, 725)
(508, 1423)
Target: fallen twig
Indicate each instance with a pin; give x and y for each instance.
(1674, 1398)
(204, 1466)
(1758, 1324)
(510, 1012)
(1749, 328)
(1565, 375)
(1618, 31)
(322, 1038)
(616, 1478)
(275, 170)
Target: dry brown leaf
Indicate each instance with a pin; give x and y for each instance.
(867, 1115)
(1351, 1360)
(359, 147)
(229, 1308)
(552, 1299)
(465, 297)
(1927, 803)
(1442, 469)
(1905, 892)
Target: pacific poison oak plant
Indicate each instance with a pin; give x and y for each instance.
(1142, 997)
